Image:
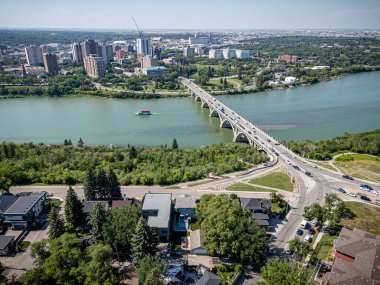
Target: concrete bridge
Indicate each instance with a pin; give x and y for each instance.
(243, 130)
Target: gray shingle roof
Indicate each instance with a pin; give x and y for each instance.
(208, 278)
(162, 203)
(24, 204)
(254, 204)
(6, 201)
(186, 202)
(88, 205)
(4, 241)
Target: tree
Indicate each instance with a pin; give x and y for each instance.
(299, 248)
(65, 142)
(174, 144)
(80, 142)
(154, 277)
(315, 211)
(73, 209)
(148, 264)
(56, 226)
(278, 271)
(132, 153)
(142, 241)
(89, 185)
(113, 185)
(5, 184)
(39, 251)
(96, 220)
(119, 227)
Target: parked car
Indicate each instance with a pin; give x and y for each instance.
(308, 238)
(314, 222)
(347, 177)
(304, 224)
(311, 231)
(365, 198)
(299, 232)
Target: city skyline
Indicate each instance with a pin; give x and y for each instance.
(211, 14)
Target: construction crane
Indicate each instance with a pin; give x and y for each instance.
(140, 33)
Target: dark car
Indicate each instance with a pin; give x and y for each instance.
(341, 190)
(296, 167)
(365, 198)
(311, 231)
(299, 232)
(347, 177)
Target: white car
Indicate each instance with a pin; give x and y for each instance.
(288, 161)
(314, 166)
(308, 238)
(352, 194)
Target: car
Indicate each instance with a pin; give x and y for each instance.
(268, 140)
(347, 177)
(288, 161)
(341, 190)
(377, 201)
(304, 224)
(366, 187)
(296, 167)
(308, 173)
(311, 231)
(314, 222)
(314, 166)
(277, 143)
(352, 194)
(308, 239)
(299, 232)
(365, 198)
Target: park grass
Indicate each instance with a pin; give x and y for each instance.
(367, 217)
(362, 166)
(324, 246)
(278, 180)
(247, 187)
(205, 66)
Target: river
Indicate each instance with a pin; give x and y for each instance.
(328, 109)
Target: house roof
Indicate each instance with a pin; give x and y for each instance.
(6, 201)
(365, 249)
(121, 203)
(255, 204)
(24, 204)
(162, 203)
(208, 278)
(196, 243)
(260, 216)
(88, 205)
(185, 202)
(5, 240)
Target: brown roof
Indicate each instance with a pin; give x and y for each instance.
(365, 249)
(121, 203)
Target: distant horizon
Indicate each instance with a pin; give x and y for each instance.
(194, 15)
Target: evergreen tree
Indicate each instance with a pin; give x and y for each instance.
(90, 185)
(174, 144)
(65, 142)
(101, 185)
(56, 226)
(69, 142)
(132, 152)
(80, 142)
(73, 209)
(221, 80)
(142, 242)
(113, 185)
(96, 220)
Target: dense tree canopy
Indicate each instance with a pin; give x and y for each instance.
(231, 231)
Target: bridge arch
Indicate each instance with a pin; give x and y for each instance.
(204, 104)
(197, 98)
(214, 113)
(242, 137)
(225, 124)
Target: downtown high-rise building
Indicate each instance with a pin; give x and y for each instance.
(76, 51)
(94, 66)
(34, 55)
(90, 47)
(155, 52)
(142, 46)
(50, 63)
(106, 53)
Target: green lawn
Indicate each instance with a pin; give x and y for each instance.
(367, 218)
(246, 187)
(324, 246)
(204, 66)
(359, 165)
(278, 180)
(195, 226)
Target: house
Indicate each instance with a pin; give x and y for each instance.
(116, 204)
(24, 210)
(174, 273)
(7, 244)
(185, 212)
(157, 209)
(88, 205)
(261, 218)
(256, 205)
(208, 278)
(356, 259)
(290, 79)
(5, 202)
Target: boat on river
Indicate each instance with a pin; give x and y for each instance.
(144, 112)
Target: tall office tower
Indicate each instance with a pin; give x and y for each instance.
(94, 66)
(142, 46)
(34, 55)
(106, 53)
(89, 47)
(76, 51)
(50, 63)
(155, 52)
(188, 51)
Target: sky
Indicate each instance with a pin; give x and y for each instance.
(191, 14)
